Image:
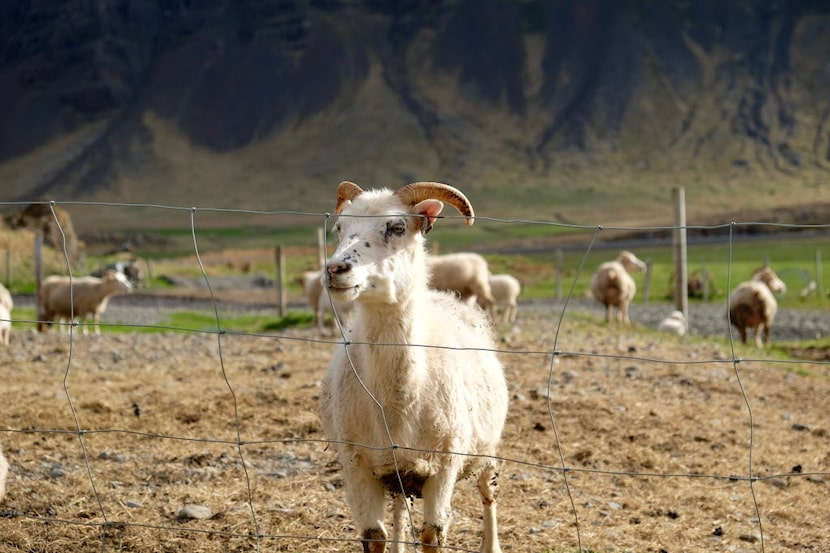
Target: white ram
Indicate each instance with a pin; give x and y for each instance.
(416, 398)
(464, 274)
(6, 306)
(752, 305)
(89, 297)
(506, 289)
(613, 286)
(319, 302)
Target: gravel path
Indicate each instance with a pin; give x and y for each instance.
(706, 319)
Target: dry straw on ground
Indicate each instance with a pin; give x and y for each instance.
(651, 428)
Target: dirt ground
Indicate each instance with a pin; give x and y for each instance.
(668, 444)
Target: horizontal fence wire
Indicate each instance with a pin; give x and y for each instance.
(261, 537)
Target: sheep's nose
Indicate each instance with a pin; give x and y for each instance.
(337, 268)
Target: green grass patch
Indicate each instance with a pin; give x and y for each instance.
(189, 321)
(207, 322)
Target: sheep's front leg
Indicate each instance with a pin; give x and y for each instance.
(488, 487)
(400, 518)
(365, 496)
(437, 495)
(623, 313)
(761, 335)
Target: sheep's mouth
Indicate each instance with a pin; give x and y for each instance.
(341, 291)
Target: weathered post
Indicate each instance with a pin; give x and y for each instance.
(647, 281)
(321, 248)
(681, 285)
(282, 293)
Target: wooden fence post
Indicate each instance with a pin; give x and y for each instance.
(38, 273)
(282, 293)
(681, 285)
(647, 281)
(9, 268)
(321, 248)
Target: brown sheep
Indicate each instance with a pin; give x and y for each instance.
(613, 286)
(752, 305)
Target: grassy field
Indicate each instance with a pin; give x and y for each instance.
(549, 259)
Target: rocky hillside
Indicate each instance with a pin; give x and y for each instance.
(537, 108)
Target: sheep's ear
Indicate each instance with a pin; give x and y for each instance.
(429, 211)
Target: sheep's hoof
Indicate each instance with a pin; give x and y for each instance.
(374, 541)
(431, 537)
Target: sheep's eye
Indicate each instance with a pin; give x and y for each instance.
(397, 228)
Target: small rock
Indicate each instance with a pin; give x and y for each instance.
(134, 504)
(751, 538)
(57, 471)
(778, 482)
(193, 511)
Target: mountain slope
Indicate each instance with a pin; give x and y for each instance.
(536, 108)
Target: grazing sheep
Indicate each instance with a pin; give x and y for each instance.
(5, 325)
(675, 323)
(506, 289)
(4, 472)
(6, 306)
(90, 296)
(465, 274)
(416, 398)
(752, 305)
(613, 286)
(6, 297)
(318, 299)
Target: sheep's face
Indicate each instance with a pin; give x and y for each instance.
(631, 262)
(379, 257)
(118, 282)
(768, 277)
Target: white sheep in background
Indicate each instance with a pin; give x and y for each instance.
(465, 274)
(6, 306)
(89, 295)
(4, 472)
(613, 286)
(6, 297)
(318, 299)
(752, 305)
(5, 325)
(506, 289)
(418, 371)
(674, 323)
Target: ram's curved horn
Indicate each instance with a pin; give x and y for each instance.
(416, 192)
(346, 191)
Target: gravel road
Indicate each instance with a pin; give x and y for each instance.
(709, 319)
(706, 319)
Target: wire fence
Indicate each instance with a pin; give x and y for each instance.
(550, 501)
